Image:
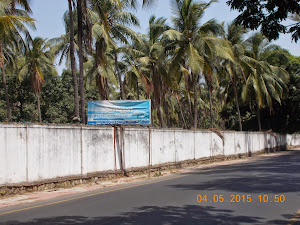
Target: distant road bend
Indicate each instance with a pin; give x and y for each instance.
(263, 191)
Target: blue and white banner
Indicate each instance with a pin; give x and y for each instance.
(119, 112)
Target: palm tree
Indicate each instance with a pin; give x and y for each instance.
(73, 66)
(110, 21)
(118, 72)
(37, 60)
(24, 4)
(194, 45)
(153, 59)
(264, 82)
(234, 34)
(60, 46)
(109, 12)
(101, 73)
(11, 29)
(80, 6)
(135, 72)
(65, 47)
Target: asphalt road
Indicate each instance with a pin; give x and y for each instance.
(173, 199)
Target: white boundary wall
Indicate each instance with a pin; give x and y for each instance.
(35, 153)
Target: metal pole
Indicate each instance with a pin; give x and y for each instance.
(115, 154)
(121, 137)
(149, 150)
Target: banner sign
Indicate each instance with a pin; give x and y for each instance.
(119, 112)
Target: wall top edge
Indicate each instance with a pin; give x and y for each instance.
(89, 127)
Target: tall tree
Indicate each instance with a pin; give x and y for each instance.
(234, 34)
(269, 15)
(110, 25)
(80, 5)
(11, 29)
(153, 58)
(73, 65)
(38, 59)
(194, 44)
(264, 82)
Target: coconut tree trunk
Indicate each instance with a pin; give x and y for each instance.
(186, 80)
(195, 103)
(166, 109)
(102, 87)
(73, 66)
(237, 103)
(21, 110)
(80, 55)
(160, 116)
(181, 113)
(39, 108)
(157, 96)
(137, 90)
(210, 105)
(258, 117)
(4, 83)
(119, 75)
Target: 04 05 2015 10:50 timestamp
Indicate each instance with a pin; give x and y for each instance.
(242, 198)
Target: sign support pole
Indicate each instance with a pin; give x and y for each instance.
(115, 153)
(121, 137)
(149, 151)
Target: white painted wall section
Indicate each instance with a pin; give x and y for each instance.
(13, 157)
(202, 144)
(30, 153)
(53, 152)
(162, 146)
(184, 145)
(98, 150)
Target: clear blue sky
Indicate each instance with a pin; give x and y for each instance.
(49, 14)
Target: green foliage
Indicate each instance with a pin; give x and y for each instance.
(269, 15)
(198, 75)
(57, 100)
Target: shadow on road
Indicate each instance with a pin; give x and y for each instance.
(272, 175)
(189, 214)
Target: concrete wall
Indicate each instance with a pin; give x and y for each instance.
(293, 139)
(35, 153)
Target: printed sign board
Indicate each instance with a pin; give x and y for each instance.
(119, 112)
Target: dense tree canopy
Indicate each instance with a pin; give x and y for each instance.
(269, 16)
(198, 74)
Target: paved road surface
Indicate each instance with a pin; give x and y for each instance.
(173, 199)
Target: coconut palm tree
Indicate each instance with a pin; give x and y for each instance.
(60, 46)
(193, 46)
(80, 7)
(65, 47)
(12, 27)
(37, 60)
(72, 57)
(154, 59)
(264, 82)
(135, 72)
(100, 72)
(234, 34)
(23, 4)
(110, 24)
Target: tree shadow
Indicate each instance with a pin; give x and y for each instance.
(188, 214)
(272, 175)
(285, 179)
